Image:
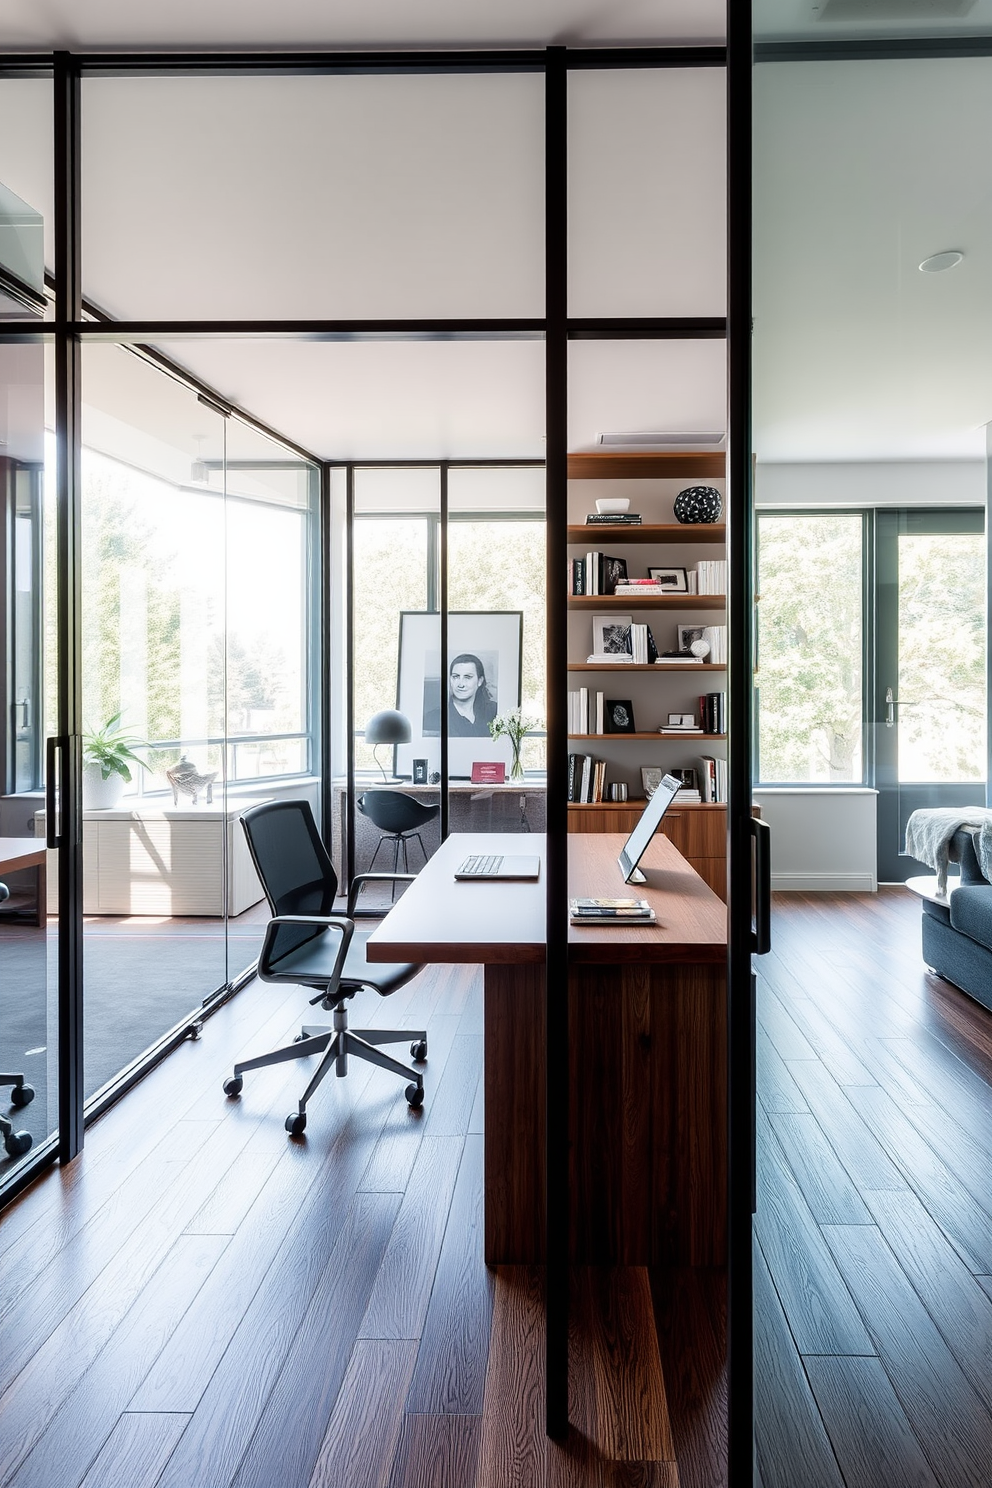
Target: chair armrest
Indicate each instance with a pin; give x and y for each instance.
(361, 878)
(341, 923)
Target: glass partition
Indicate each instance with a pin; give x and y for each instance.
(200, 691)
(26, 194)
(396, 633)
(415, 195)
(29, 1033)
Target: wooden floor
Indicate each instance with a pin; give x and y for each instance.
(873, 1272)
(200, 1302)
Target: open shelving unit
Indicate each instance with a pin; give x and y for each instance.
(697, 830)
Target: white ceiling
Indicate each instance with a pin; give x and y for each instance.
(236, 24)
(862, 170)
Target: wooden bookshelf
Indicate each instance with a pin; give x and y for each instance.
(647, 465)
(648, 532)
(646, 666)
(647, 601)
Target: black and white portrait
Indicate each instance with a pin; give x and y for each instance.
(482, 681)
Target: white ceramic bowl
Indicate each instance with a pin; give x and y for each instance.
(612, 504)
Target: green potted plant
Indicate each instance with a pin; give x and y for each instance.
(512, 726)
(108, 754)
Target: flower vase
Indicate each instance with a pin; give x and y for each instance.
(516, 768)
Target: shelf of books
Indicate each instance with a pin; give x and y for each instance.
(646, 594)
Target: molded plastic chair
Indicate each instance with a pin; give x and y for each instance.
(306, 943)
(399, 817)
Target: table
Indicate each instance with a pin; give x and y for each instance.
(648, 1049)
(27, 852)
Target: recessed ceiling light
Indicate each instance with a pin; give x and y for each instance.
(941, 261)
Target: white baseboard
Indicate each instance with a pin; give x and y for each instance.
(827, 883)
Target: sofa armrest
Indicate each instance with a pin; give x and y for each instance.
(964, 851)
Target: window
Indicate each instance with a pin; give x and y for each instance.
(810, 648)
(192, 597)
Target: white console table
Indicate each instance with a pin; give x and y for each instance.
(162, 860)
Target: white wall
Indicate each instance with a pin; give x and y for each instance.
(871, 483)
(821, 839)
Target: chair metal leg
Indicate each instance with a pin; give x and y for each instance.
(363, 1050)
(389, 1035)
(335, 1051)
(291, 1051)
(376, 853)
(422, 847)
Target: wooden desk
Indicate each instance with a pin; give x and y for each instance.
(648, 1058)
(27, 852)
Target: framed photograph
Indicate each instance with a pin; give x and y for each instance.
(690, 633)
(681, 720)
(675, 579)
(687, 777)
(611, 635)
(485, 651)
(618, 716)
(651, 779)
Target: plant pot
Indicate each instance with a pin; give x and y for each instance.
(100, 794)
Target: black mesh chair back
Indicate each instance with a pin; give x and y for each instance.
(296, 872)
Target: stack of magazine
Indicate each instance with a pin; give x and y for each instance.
(610, 912)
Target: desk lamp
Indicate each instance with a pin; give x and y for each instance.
(387, 727)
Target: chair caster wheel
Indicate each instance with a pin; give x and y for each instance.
(415, 1096)
(296, 1124)
(418, 1051)
(300, 1038)
(22, 1095)
(17, 1143)
(234, 1085)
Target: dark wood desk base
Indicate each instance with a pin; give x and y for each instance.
(648, 1071)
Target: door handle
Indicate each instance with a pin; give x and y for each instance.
(54, 752)
(761, 936)
(890, 708)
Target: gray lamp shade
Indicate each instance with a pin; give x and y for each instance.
(388, 727)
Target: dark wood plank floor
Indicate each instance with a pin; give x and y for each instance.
(200, 1302)
(874, 1231)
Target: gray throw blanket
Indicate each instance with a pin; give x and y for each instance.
(929, 832)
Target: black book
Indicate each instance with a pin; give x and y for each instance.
(572, 758)
(652, 648)
(613, 519)
(612, 571)
(578, 576)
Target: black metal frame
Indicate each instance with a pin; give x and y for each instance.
(740, 984)
(71, 328)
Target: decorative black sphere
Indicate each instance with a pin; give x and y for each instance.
(698, 504)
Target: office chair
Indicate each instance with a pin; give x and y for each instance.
(15, 1143)
(399, 817)
(306, 943)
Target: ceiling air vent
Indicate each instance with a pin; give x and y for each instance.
(888, 10)
(654, 440)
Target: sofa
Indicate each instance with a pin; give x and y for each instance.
(957, 934)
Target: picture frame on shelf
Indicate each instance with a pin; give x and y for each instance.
(675, 579)
(611, 635)
(618, 716)
(690, 633)
(651, 776)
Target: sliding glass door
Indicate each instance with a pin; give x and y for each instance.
(930, 704)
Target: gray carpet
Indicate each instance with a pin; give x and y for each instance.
(139, 981)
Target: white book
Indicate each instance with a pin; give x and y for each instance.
(599, 713)
(609, 658)
(583, 710)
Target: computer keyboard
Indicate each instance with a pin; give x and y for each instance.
(481, 864)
